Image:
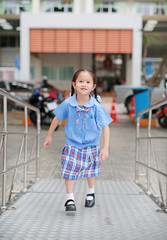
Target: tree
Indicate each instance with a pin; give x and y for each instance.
(154, 39)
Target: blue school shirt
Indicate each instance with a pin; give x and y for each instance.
(83, 127)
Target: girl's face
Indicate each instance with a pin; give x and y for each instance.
(84, 83)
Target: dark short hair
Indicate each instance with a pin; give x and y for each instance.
(76, 74)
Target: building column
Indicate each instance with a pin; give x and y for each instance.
(24, 50)
(85, 6)
(136, 57)
(89, 6)
(77, 6)
(24, 55)
(130, 7)
(36, 6)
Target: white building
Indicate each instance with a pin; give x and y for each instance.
(59, 37)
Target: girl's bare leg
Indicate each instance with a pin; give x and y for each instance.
(91, 182)
(69, 185)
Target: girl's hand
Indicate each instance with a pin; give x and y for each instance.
(103, 154)
(47, 142)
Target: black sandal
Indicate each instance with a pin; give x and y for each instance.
(71, 206)
(90, 203)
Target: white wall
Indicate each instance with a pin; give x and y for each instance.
(7, 56)
(77, 60)
(82, 21)
(37, 63)
(74, 59)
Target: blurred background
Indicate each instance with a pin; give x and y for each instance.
(123, 42)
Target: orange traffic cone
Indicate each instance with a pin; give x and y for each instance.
(113, 114)
(132, 110)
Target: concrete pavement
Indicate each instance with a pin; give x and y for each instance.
(122, 209)
(120, 165)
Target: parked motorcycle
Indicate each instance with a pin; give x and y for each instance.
(46, 105)
(162, 115)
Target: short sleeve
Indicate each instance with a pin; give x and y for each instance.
(61, 112)
(102, 117)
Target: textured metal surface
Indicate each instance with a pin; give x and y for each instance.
(122, 211)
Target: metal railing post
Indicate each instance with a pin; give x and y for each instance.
(4, 152)
(25, 149)
(4, 133)
(166, 172)
(137, 150)
(151, 154)
(149, 149)
(38, 145)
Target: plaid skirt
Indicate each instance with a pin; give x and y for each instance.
(78, 163)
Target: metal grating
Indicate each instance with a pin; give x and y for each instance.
(122, 211)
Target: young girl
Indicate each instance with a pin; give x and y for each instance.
(87, 119)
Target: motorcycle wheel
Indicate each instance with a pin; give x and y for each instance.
(128, 104)
(33, 117)
(162, 121)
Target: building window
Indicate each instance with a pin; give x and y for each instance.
(110, 7)
(144, 8)
(66, 73)
(50, 72)
(32, 72)
(9, 41)
(15, 6)
(57, 73)
(57, 6)
(151, 8)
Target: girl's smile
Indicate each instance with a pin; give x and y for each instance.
(83, 88)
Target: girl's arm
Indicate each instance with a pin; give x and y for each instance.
(52, 127)
(104, 150)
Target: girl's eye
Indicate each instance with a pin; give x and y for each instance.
(88, 82)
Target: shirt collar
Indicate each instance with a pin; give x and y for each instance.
(73, 101)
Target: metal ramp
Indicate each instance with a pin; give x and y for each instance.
(122, 211)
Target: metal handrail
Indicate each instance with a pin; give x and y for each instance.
(150, 147)
(24, 145)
